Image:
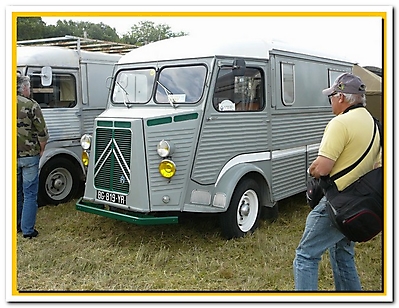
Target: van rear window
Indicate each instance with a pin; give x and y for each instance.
(288, 83)
(60, 94)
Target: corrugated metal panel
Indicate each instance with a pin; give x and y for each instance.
(88, 119)
(289, 130)
(182, 138)
(65, 123)
(288, 176)
(223, 139)
(312, 156)
(62, 123)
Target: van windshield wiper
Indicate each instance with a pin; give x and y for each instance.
(126, 94)
(169, 94)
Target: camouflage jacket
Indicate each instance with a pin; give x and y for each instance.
(31, 127)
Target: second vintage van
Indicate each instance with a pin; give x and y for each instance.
(70, 86)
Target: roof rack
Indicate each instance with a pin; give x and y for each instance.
(81, 43)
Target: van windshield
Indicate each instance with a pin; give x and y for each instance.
(134, 86)
(181, 84)
(173, 85)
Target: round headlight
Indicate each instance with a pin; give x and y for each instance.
(164, 148)
(85, 141)
(167, 168)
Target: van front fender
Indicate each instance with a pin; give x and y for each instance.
(229, 180)
(52, 152)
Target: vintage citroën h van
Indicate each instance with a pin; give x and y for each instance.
(207, 126)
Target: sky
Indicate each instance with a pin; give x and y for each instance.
(358, 39)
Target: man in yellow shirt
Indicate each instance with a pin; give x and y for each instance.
(345, 139)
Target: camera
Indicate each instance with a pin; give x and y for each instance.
(314, 192)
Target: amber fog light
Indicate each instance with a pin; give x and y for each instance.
(85, 158)
(167, 168)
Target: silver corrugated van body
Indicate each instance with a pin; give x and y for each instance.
(76, 95)
(214, 126)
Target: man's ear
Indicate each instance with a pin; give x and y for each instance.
(341, 98)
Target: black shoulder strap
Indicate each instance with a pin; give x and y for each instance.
(351, 167)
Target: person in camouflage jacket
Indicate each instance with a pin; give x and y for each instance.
(32, 136)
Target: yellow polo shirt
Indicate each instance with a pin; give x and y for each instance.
(346, 138)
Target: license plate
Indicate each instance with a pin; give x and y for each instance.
(111, 197)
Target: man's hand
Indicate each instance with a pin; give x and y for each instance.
(42, 147)
(321, 166)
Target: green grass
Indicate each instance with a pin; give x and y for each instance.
(77, 251)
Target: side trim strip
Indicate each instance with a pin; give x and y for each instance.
(263, 156)
(245, 158)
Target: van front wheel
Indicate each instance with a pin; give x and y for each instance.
(59, 182)
(243, 214)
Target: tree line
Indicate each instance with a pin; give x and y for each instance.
(142, 33)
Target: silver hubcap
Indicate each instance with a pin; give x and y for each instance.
(59, 184)
(248, 210)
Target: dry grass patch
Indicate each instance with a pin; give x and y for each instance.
(77, 251)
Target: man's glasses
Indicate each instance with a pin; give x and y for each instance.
(331, 95)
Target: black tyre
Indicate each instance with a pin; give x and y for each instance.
(59, 181)
(270, 213)
(243, 215)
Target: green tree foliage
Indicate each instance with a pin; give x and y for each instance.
(30, 28)
(146, 32)
(85, 29)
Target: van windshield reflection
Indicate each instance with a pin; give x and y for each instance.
(134, 86)
(185, 84)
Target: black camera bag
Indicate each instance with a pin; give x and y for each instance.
(357, 211)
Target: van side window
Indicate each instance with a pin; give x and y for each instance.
(287, 83)
(332, 75)
(239, 93)
(60, 94)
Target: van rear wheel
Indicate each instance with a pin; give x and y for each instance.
(243, 215)
(59, 182)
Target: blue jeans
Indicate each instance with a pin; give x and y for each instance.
(320, 235)
(27, 188)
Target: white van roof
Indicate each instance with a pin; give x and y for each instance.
(188, 47)
(59, 56)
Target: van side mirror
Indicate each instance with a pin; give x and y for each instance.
(108, 82)
(46, 76)
(239, 67)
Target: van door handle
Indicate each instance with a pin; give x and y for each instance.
(211, 118)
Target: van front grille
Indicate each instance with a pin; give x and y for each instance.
(112, 158)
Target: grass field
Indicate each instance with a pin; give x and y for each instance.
(77, 251)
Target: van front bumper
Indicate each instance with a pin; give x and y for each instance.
(130, 217)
